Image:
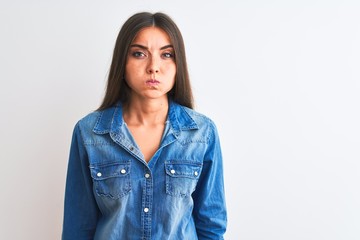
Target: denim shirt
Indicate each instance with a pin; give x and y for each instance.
(112, 193)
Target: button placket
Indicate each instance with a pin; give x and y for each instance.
(147, 201)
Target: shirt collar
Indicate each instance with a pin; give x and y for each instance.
(111, 120)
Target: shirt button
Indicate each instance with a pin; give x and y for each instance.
(172, 171)
(147, 175)
(99, 174)
(131, 148)
(196, 173)
(123, 171)
(146, 209)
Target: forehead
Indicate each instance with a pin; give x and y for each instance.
(152, 35)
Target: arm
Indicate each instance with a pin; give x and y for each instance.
(80, 209)
(209, 197)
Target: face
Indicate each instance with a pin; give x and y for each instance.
(150, 67)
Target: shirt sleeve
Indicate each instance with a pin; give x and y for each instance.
(209, 197)
(80, 208)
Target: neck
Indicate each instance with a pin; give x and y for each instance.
(146, 113)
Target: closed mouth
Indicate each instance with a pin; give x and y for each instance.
(152, 82)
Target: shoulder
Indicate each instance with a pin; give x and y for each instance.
(200, 119)
(85, 126)
(191, 119)
(89, 120)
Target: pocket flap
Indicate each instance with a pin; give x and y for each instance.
(101, 172)
(188, 170)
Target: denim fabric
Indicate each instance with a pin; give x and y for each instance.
(112, 193)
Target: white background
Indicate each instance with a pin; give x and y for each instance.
(281, 80)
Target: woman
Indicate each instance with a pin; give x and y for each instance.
(145, 165)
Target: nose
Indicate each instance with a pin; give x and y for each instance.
(153, 66)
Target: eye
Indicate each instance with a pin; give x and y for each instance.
(168, 55)
(138, 54)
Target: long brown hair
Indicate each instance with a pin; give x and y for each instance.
(117, 89)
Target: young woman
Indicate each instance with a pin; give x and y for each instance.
(145, 165)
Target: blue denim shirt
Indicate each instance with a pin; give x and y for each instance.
(112, 193)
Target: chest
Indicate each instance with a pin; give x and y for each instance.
(147, 138)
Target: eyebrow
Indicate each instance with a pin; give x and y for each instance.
(146, 48)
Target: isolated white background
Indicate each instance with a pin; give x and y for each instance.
(281, 79)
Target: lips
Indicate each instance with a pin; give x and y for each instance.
(152, 82)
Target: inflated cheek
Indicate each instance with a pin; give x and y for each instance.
(133, 69)
(170, 68)
(173, 74)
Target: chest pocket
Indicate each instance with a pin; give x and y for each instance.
(181, 177)
(111, 180)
